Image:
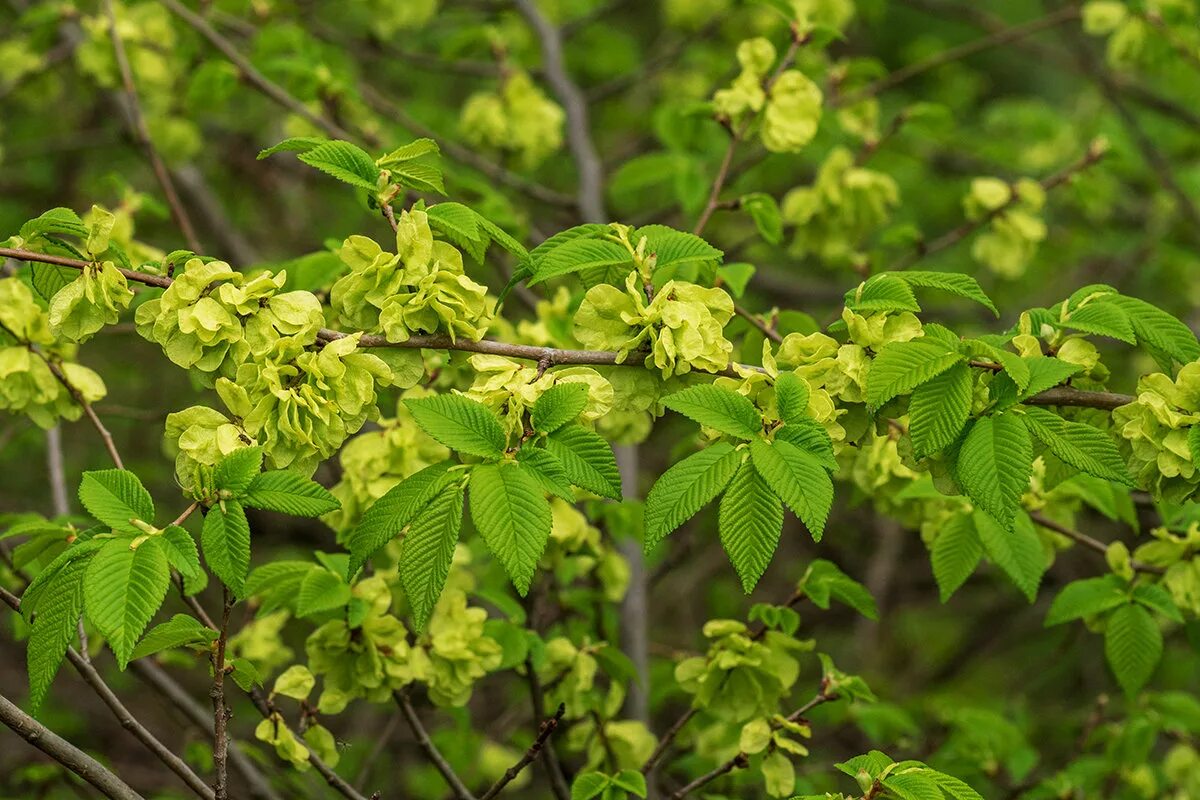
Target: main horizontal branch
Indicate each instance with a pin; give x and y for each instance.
(547, 357)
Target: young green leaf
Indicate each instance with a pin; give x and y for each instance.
(1156, 598)
(799, 480)
(995, 463)
(791, 397)
(181, 552)
(54, 629)
(392, 513)
(428, 550)
(955, 283)
(1159, 329)
(123, 588)
(576, 255)
(236, 470)
(1086, 448)
(1085, 598)
(955, 554)
(558, 405)
(347, 162)
(225, 538)
(277, 583)
(37, 587)
(289, 493)
(549, 471)
(295, 144)
(749, 521)
(1102, 318)
(672, 247)
(900, 367)
(825, 581)
(321, 590)
(1133, 645)
(459, 423)
(811, 437)
(939, 409)
(1018, 550)
(116, 497)
(181, 630)
(587, 459)
(763, 209)
(882, 293)
(511, 513)
(718, 408)
(686, 488)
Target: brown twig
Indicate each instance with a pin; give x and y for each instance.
(137, 124)
(1090, 542)
(221, 712)
(457, 787)
(547, 727)
(558, 781)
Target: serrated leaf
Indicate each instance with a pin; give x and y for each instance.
(235, 471)
(913, 786)
(955, 283)
(548, 470)
(407, 152)
(687, 487)
(321, 590)
(1102, 319)
(511, 513)
(954, 788)
(718, 408)
(675, 248)
(1085, 598)
(1154, 597)
(392, 513)
(1015, 367)
(799, 480)
(589, 230)
(420, 176)
(578, 254)
(1133, 645)
(955, 554)
(558, 405)
(589, 785)
(994, 465)
(1160, 330)
(181, 552)
(54, 629)
(277, 583)
(939, 409)
(460, 225)
(225, 539)
(122, 589)
(37, 587)
(245, 674)
(810, 436)
(347, 162)
(735, 277)
(115, 497)
(900, 367)
(49, 279)
(882, 293)
(749, 521)
(460, 423)
(1017, 551)
(791, 397)
(587, 459)
(295, 144)
(1088, 449)
(180, 630)
(824, 581)
(428, 550)
(763, 209)
(289, 493)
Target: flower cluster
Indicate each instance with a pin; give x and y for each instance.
(510, 388)
(518, 119)
(85, 305)
(1156, 427)
(1014, 228)
(421, 288)
(790, 102)
(682, 327)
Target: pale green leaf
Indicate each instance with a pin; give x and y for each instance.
(428, 550)
(225, 539)
(798, 478)
(347, 162)
(122, 590)
(749, 521)
(900, 367)
(289, 493)
(460, 423)
(687, 487)
(511, 513)
(995, 463)
(718, 408)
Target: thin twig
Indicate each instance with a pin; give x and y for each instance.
(1090, 542)
(667, 738)
(457, 788)
(137, 124)
(221, 712)
(65, 753)
(549, 756)
(547, 727)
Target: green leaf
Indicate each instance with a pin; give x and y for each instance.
(1161, 330)
(1133, 645)
(955, 283)
(558, 405)
(589, 785)
(824, 581)
(277, 583)
(549, 471)
(955, 554)
(675, 248)
(181, 630)
(37, 587)
(749, 521)
(811, 437)
(791, 397)
(1018, 551)
(882, 293)
(954, 788)
(686, 488)
(1102, 319)
(913, 785)
(735, 277)
(1044, 373)
(1085, 598)
(900, 367)
(180, 549)
(289, 493)
(347, 162)
(1086, 448)
(460, 225)
(321, 590)
(392, 513)
(939, 409)
(631, 781)
(511, 513)
(460, 423)
(115, 497)
(235, 472)
(578, 254)
(54, 629)
(123, 588)
(763, 209)
(587, 459)
(428, 550)
(226, 542)
(589, 230)
(295, 144)
(1156, 598)
(245, 674)
(799, 480)
(721, 409)
(419, 175)
(1015, 367)
(994, 465)
(417, 148)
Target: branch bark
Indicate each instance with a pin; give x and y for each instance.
(547, 727)
(457, 788)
